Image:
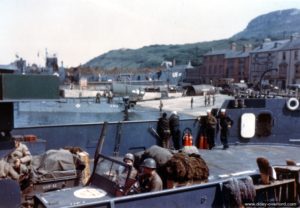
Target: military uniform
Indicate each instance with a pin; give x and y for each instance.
(163, 131)
(7, 171)
(23, 154)
(175, 131)
(152, 183)
(210, 128)
(225, 123)
(133, 173)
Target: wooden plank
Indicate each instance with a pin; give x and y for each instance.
(290, 168)
(288, 185)
(274, 184)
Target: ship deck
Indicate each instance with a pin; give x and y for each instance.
(238, 159)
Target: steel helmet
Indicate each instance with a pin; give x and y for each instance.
(149, 163)
(129, 156)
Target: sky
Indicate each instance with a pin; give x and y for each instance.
(78, 30)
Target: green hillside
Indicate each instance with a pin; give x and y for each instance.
(152, 56)
(261, 27)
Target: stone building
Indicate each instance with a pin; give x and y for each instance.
(276, 63)
(290, 60)
(228, 63)
(264, 64)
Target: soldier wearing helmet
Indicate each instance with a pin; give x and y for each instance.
(129, 160)
(150, 180)
(126, 185)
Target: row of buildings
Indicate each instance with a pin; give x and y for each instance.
(272, 63)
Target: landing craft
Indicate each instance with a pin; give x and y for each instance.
(273, 133)
(264, 136)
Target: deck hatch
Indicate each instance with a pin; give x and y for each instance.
(264, 125)
(248, 123)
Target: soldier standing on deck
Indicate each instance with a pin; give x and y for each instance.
(225, 124)
(175, 130)
(163, 130)
(210, 128)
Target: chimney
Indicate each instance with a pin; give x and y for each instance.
(276, 44)
(174, 63)
(261, 46)
(233, 46)
(189, 65)
(294, 36)
(247, 47)
(250, 46)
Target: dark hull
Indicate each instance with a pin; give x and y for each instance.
(133, 135)
(281, 123)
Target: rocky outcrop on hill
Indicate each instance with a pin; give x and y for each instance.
(278, 24)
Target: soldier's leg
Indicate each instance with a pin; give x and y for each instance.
(209, 139)
(176, 139)
(213, 134)
(223, 137)
(164, 143)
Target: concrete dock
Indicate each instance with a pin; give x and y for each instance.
(183, 104)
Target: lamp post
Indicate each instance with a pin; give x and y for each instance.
(262, 76)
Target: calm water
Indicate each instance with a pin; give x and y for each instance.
(32, 118)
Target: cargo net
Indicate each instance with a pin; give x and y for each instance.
(185, 167)
(177, 166)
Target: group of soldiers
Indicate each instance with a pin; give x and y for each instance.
(147, 178)
(210, 125)
(108, 94)
(17, 165)
(209, 100)
(167, 128)
(144, 180)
